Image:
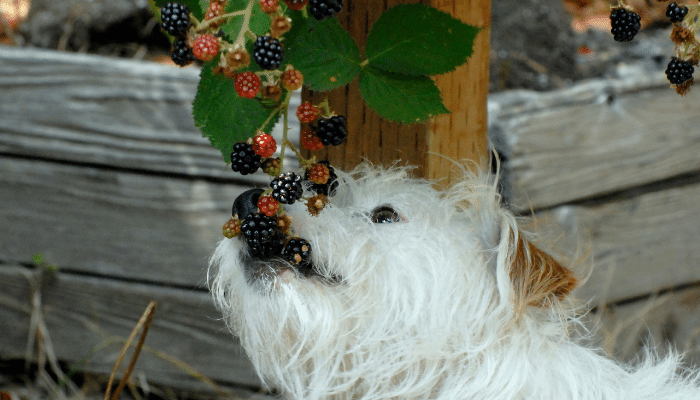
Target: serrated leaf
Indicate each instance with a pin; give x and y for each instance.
(325, 54)
(223, 116)
(259, 21)
(416, 39)
(404, 98)
(195, 6)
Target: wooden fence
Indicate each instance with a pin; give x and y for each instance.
(103, 174)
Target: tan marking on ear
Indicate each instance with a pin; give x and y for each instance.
(536, 276)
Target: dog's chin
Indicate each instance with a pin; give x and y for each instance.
(267, 274)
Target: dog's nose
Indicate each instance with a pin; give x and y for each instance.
(246, 203)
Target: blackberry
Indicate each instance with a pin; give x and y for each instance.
(267, 52)
(625, 24)
(332, 130)
(182, 53)
(298, 252)
(286, 188)
(244, 159)
(327, 189)
(175, 19)
(679, 71)
(676, 13)
(268, 249)
(321, 9)
(258, 228)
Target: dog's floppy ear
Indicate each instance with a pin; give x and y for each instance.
(537, 278)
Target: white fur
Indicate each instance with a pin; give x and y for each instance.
(425, 309)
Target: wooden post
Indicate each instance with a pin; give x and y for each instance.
(459, 136)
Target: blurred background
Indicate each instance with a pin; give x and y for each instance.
(110, 197)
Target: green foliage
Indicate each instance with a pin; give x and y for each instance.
(223, 116)
(325, 53)
(407, 45)
(415, 39)
(399, 97)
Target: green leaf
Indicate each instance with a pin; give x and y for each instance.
(398, 97)
(325, 54)
(196, 7)
(223, 116)
(416, 39)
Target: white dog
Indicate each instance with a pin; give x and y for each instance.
(420, 294)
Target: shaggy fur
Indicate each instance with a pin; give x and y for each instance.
(448, 302)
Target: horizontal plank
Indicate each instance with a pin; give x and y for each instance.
(106, 111)
(638, 245)
(594, 139)
(88, 320)
(660, 321)
(110, 222)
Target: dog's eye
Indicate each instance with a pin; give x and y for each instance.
(385, 214)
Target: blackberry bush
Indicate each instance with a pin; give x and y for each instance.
(327, 189)
(332, 131)
(298, 252)
(321, 9)
(182, 53)
(625, 24)
(175, 19)
(258, 228)
(244, 159)
(286, 188)
(676, 13)
(267, 52)
(679, 71)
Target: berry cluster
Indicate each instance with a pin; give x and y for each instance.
(265, 228)
(686, 23)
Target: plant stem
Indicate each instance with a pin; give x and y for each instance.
(285, 127)
(207, 22)
(245, 27)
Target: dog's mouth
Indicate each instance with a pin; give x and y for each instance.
(269, 270)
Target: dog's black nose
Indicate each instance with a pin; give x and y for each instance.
(246, 203)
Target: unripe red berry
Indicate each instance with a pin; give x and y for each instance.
(264, 145)
(310, 141)
(205, 47)
(247, 84)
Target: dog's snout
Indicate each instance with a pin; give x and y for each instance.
(246, 203)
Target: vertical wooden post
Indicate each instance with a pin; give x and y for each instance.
(460, 135)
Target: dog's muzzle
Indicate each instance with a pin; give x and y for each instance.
(266, 268)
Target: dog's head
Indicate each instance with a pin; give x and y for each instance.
(407, 289)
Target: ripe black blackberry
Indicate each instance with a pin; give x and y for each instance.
(332, 131)
(175, 19)
(298, 252)
(321, 9)
(258, 228)
(271, 248)
(625, 24)
(244, 159)
(286, 188)
(267, 52)
(182, 53)
(679, 71)
(327, 189)
(676, 13)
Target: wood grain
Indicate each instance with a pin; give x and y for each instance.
(637, 245)
(89, 318)
(106, 111)
(594, 139)
(109, 222)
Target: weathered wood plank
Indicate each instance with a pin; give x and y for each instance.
(110, 222)
(83, 313)
(668, 321)
(638, 245)
(105, 111)
(593, 139)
